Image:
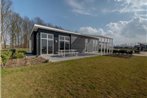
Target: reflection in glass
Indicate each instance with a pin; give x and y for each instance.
(61, 45)
(44, 46)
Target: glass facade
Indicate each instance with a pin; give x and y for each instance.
(91, 45)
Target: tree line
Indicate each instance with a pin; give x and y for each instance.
(16, 30)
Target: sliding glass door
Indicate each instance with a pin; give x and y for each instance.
(47, 43)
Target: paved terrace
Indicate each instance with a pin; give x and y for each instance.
(58, 58)
(141, 54)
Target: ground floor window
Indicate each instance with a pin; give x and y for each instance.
(50, 46)
(61, 45)
(64, 42)
(91, 45)
(47, 43)
(95, 45)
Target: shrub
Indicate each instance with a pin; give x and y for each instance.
(13, 52)
(5, 56)
(123, 51)
(18, 55)
(22, 51)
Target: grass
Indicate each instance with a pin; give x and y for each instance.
(18, 49)
(95, 77)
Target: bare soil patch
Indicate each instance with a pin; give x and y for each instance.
(25, 61)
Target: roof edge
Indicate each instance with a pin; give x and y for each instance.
(37, 26)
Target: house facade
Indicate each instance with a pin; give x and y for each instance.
(49, 40)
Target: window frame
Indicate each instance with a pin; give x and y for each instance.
(64, 40)
(48, 39)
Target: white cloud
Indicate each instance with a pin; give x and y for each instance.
(74, 4)
(129, 31)
(91, 31)
(137, 7)
(89, 7)
(88, 30)
(84, 7)
(132, 31)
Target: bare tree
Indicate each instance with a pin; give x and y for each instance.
(5, 22)
(13, 30)
(38, 20)
(18, 25)
(27, 27)
(16, 28)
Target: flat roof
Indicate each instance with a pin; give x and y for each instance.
(37, 26)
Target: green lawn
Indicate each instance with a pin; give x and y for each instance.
(95, 77)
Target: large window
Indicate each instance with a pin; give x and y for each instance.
(47, 43)
(64, 42)
(91, 45)
(95, 45)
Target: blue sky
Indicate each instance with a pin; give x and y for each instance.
(114, 18)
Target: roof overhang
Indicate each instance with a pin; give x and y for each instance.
(36, 27)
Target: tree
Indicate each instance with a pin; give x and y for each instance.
(39, 21)
(18, 24)
(5, 21)
(13, 29)
(27, 27)
(17, 28)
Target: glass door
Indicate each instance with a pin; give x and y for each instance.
(47, 43)
(43, 43)
(50, 44)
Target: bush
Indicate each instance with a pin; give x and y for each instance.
(22, 51)
(5, 56)
(13, 51)
(123, 51)
(18, 55)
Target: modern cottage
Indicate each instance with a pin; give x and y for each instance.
(49, 40)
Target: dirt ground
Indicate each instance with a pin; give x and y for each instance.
(25, 61)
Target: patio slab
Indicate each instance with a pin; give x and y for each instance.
(141, 54)
(56, 58)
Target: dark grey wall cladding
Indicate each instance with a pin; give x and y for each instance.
(33, 41)
(38, 47)
(78, 43)
(56, 42)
